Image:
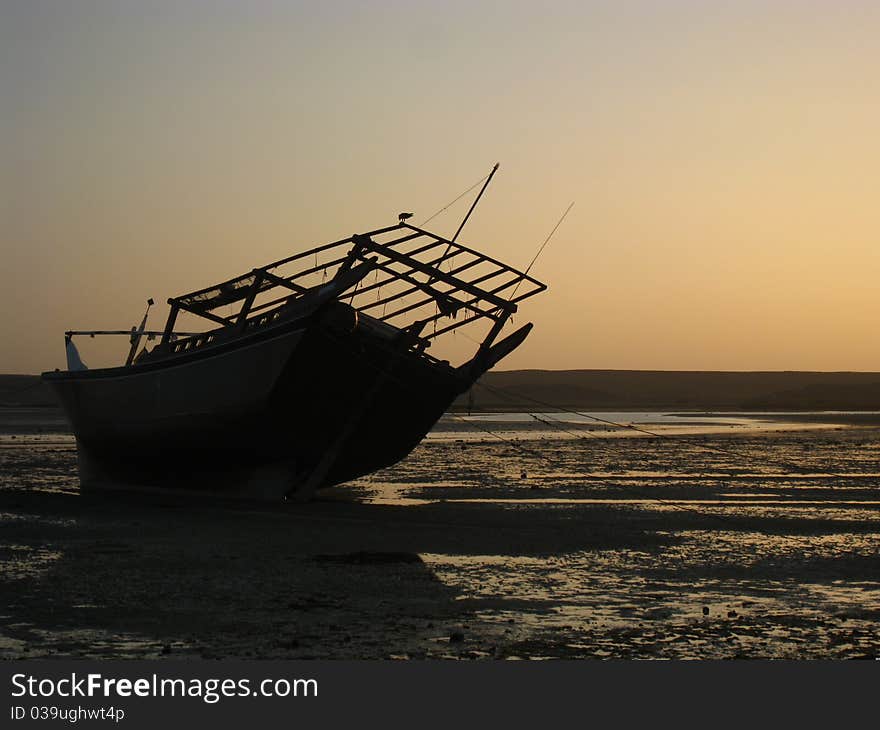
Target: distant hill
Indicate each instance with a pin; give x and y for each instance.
(25, 390)
(617, 390)
(676, 390)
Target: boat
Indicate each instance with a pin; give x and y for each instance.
(307, 372)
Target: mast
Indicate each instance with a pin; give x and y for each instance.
(476, 200)
(136, 334)
(468, 215)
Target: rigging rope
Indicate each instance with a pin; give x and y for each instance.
(543, 246)
(449, 205)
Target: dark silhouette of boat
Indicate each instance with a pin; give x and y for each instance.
(316, 369)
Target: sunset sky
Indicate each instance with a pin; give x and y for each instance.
(724, 158)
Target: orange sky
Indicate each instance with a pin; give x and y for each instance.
(724, 160)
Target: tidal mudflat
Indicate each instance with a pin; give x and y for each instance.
(529, 542)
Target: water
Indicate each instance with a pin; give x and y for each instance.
(742, 535)
(632, 423)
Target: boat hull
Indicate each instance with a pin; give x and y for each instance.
(305, 404)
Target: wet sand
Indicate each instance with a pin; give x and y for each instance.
(537, 547)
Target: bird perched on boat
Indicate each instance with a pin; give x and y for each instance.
(404, 216)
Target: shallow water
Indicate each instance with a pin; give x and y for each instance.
(798, 576)
(742, 540)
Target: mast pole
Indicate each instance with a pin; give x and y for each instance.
(476, 200)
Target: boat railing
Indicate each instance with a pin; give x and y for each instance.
(418, 278)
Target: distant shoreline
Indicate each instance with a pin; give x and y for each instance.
(680, 391)
(615, 390)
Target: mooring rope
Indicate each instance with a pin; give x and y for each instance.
(778, 463)
(539, 455)
(703, 512)
(660, 436)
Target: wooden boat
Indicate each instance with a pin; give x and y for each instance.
(314, 369)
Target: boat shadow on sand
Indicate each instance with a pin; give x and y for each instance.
(150, 576)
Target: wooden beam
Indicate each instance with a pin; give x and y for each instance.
(206, 314)
(367, 243)
(241, 320)
(169, 324)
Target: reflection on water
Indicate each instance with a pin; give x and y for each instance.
(38, 462)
